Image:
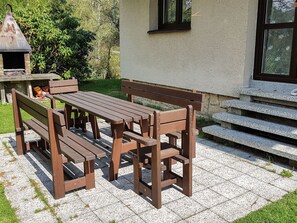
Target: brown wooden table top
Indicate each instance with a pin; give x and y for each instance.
(113, 110)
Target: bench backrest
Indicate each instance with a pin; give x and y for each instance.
(63, 86)
(37, 110)
(165, 94)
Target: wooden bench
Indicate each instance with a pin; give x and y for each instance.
(151, 152)
(165, 94)
(57, 145)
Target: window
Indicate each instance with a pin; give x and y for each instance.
(175, 14)
(276, 47)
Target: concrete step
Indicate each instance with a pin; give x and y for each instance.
(272, 110)
(254, 92)
(257, 124)
(257, 142)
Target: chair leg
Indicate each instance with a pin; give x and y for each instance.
(187, 179)
(168, 163)
(89, 174)
(156, 177)
(136, 174)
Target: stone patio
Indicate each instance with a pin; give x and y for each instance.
(227, 184)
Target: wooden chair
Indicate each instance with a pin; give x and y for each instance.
(156, 155)
(63, 87)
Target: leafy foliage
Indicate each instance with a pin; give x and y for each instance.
(101, 17)
(58, 42)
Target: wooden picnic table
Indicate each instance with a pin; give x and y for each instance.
(115, 111)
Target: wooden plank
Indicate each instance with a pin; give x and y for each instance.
(64, 89)
(166, 183)
(166, 90)
(118, 110)
(172, 127)
(75, 184)
(86, 145)
(121, 102)
(42, 130)
(63, 83)
(166, 153)
(38, 107)
(173, 115)
(122, 107)
(139, 138)
(78, 104)
(182, 102)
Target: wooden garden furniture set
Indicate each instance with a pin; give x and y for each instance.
(145, 146)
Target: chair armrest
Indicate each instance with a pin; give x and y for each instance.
(140, 139)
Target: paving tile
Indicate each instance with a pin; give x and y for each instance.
(90, 217)
(99, 200)
(241, 154)
(34, 204)
(74, 207)
(250, 201)
(185, 207)
(226, 172)
(228, 189)
(285, 183)
(134, 219)
(264, 175)
(171, 194)
(162, 215)
(247, 182)
(208, 198)
(196, 170)
(206, 216)
(208, 164)
(269, 192)
(241, 166)
(225, 159)
(138, 204)
(208, 179)
(41, 217)
(230, 211)
(114, 212)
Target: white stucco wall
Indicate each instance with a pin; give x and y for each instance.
(215, 56)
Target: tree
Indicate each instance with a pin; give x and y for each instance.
(58, 43)
(101, 17)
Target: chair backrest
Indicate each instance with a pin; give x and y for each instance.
(37, 110)
(165, 94)
(63, 86)
(179, 120)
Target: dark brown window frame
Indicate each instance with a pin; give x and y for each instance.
(178, 25)
(261, 27)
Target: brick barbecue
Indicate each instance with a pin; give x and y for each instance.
(15, 69)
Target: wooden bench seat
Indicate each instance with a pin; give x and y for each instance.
(58, 145)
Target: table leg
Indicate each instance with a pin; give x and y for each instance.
(117, 131)
(94, 125)
(67, 114)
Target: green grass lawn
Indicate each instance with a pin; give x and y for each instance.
(7, 213)
(282, 211)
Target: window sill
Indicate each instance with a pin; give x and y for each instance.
(169, 30)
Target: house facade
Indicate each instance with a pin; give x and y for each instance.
(223, 46)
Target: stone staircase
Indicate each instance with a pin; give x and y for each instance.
(265, 121)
